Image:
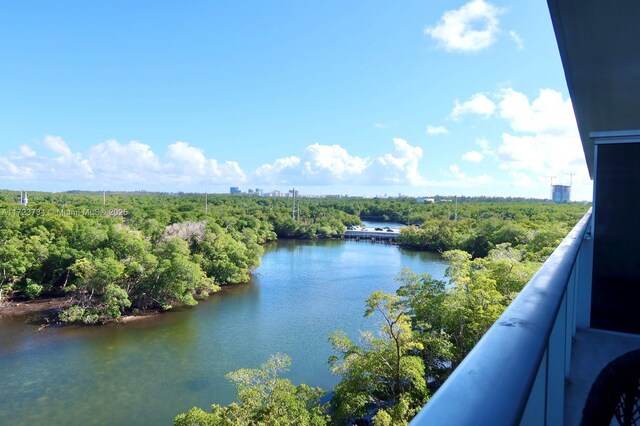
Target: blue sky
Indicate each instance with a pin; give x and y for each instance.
(360, 97)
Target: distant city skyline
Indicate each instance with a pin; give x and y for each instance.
(358, 98)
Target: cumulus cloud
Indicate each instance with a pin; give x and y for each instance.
(398, 169)
(545, 135)
(478, 104)
(124, 162)
(67, 165)
(279, 171)
(57, 145)
(189, 164)
(461, 179)
(471, 28)
(319, 165)
(472, 156)
(544, 140)
(9, 170)
(437, 130)
(120, 164)
(26, 151)
(331, 164)
(332, 161)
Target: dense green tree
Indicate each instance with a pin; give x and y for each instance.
(264, 398)
(177, 278)
(383, 371)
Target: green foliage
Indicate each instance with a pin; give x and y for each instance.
(426, 329)
(110, 265)
(534, 228)
(115, 299)
(384, 371)
(32, 290)
(177, 277)
(264, 398)
(72, 314)
(397, 415)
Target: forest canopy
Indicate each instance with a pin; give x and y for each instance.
(130, 252)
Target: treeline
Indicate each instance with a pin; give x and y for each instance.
(478, 237)
(158, 251)
(142, 252)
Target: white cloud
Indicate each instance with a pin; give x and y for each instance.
(186, 167)
(473, 156)
(277, 173)
(478, 104)
(461, 179)
(334, 161)
(549, 113)
(471, 28)
(400, 169)
(186, 159)
(437, 130)
(332, 164)
(523, 180)
(484, 147)
(124, 162)
(517, 39)
(26, 151)
(68, 165)
(544, 141)
(57, 145)
(319, 165)
(9, 170)
(545, 136)
(111, 163)
(189, 165)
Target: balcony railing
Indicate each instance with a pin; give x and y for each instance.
(516, 373)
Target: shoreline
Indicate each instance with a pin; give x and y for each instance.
(45, 310)
(13, 308)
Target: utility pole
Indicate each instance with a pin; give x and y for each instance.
(455, 214)
(206, 203)
(293, 204)
(104, 197)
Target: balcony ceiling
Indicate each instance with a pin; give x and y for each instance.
(599, 44)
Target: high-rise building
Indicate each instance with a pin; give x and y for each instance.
(234, 190)
(561, 193)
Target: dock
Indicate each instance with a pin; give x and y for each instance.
(370, 233)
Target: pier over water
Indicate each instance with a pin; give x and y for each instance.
(385, 233)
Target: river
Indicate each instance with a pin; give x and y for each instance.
(147, 371)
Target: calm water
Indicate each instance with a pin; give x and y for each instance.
(148, 371)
